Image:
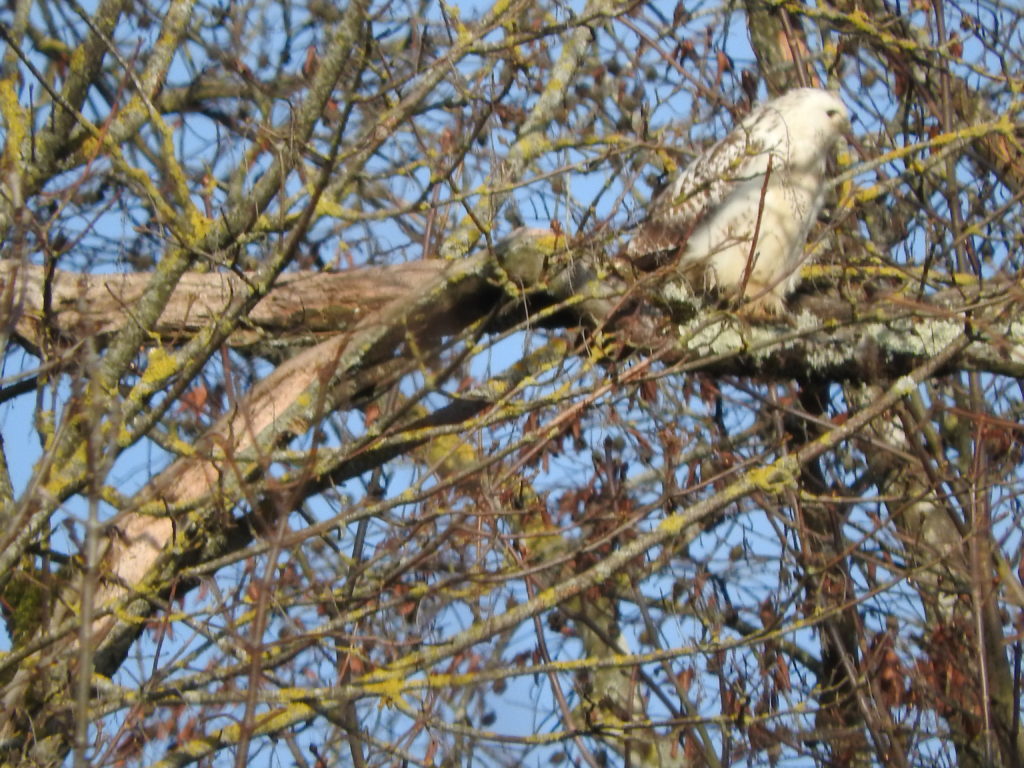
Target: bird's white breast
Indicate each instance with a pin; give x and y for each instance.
(780, 212)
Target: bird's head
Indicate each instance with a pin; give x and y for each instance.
(815, 119)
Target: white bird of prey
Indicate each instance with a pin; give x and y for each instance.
(738, 217)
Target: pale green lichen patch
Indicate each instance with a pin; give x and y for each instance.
(1015, 334)
(825, 356)
(731, 336)
(677, 292)
(709, 334)
(904, 385)
(916, 337)
(767, 342)
(715, 338)
(805, 321)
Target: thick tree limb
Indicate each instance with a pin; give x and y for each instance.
(879, 327)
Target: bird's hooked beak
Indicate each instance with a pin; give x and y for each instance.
(843, 122)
